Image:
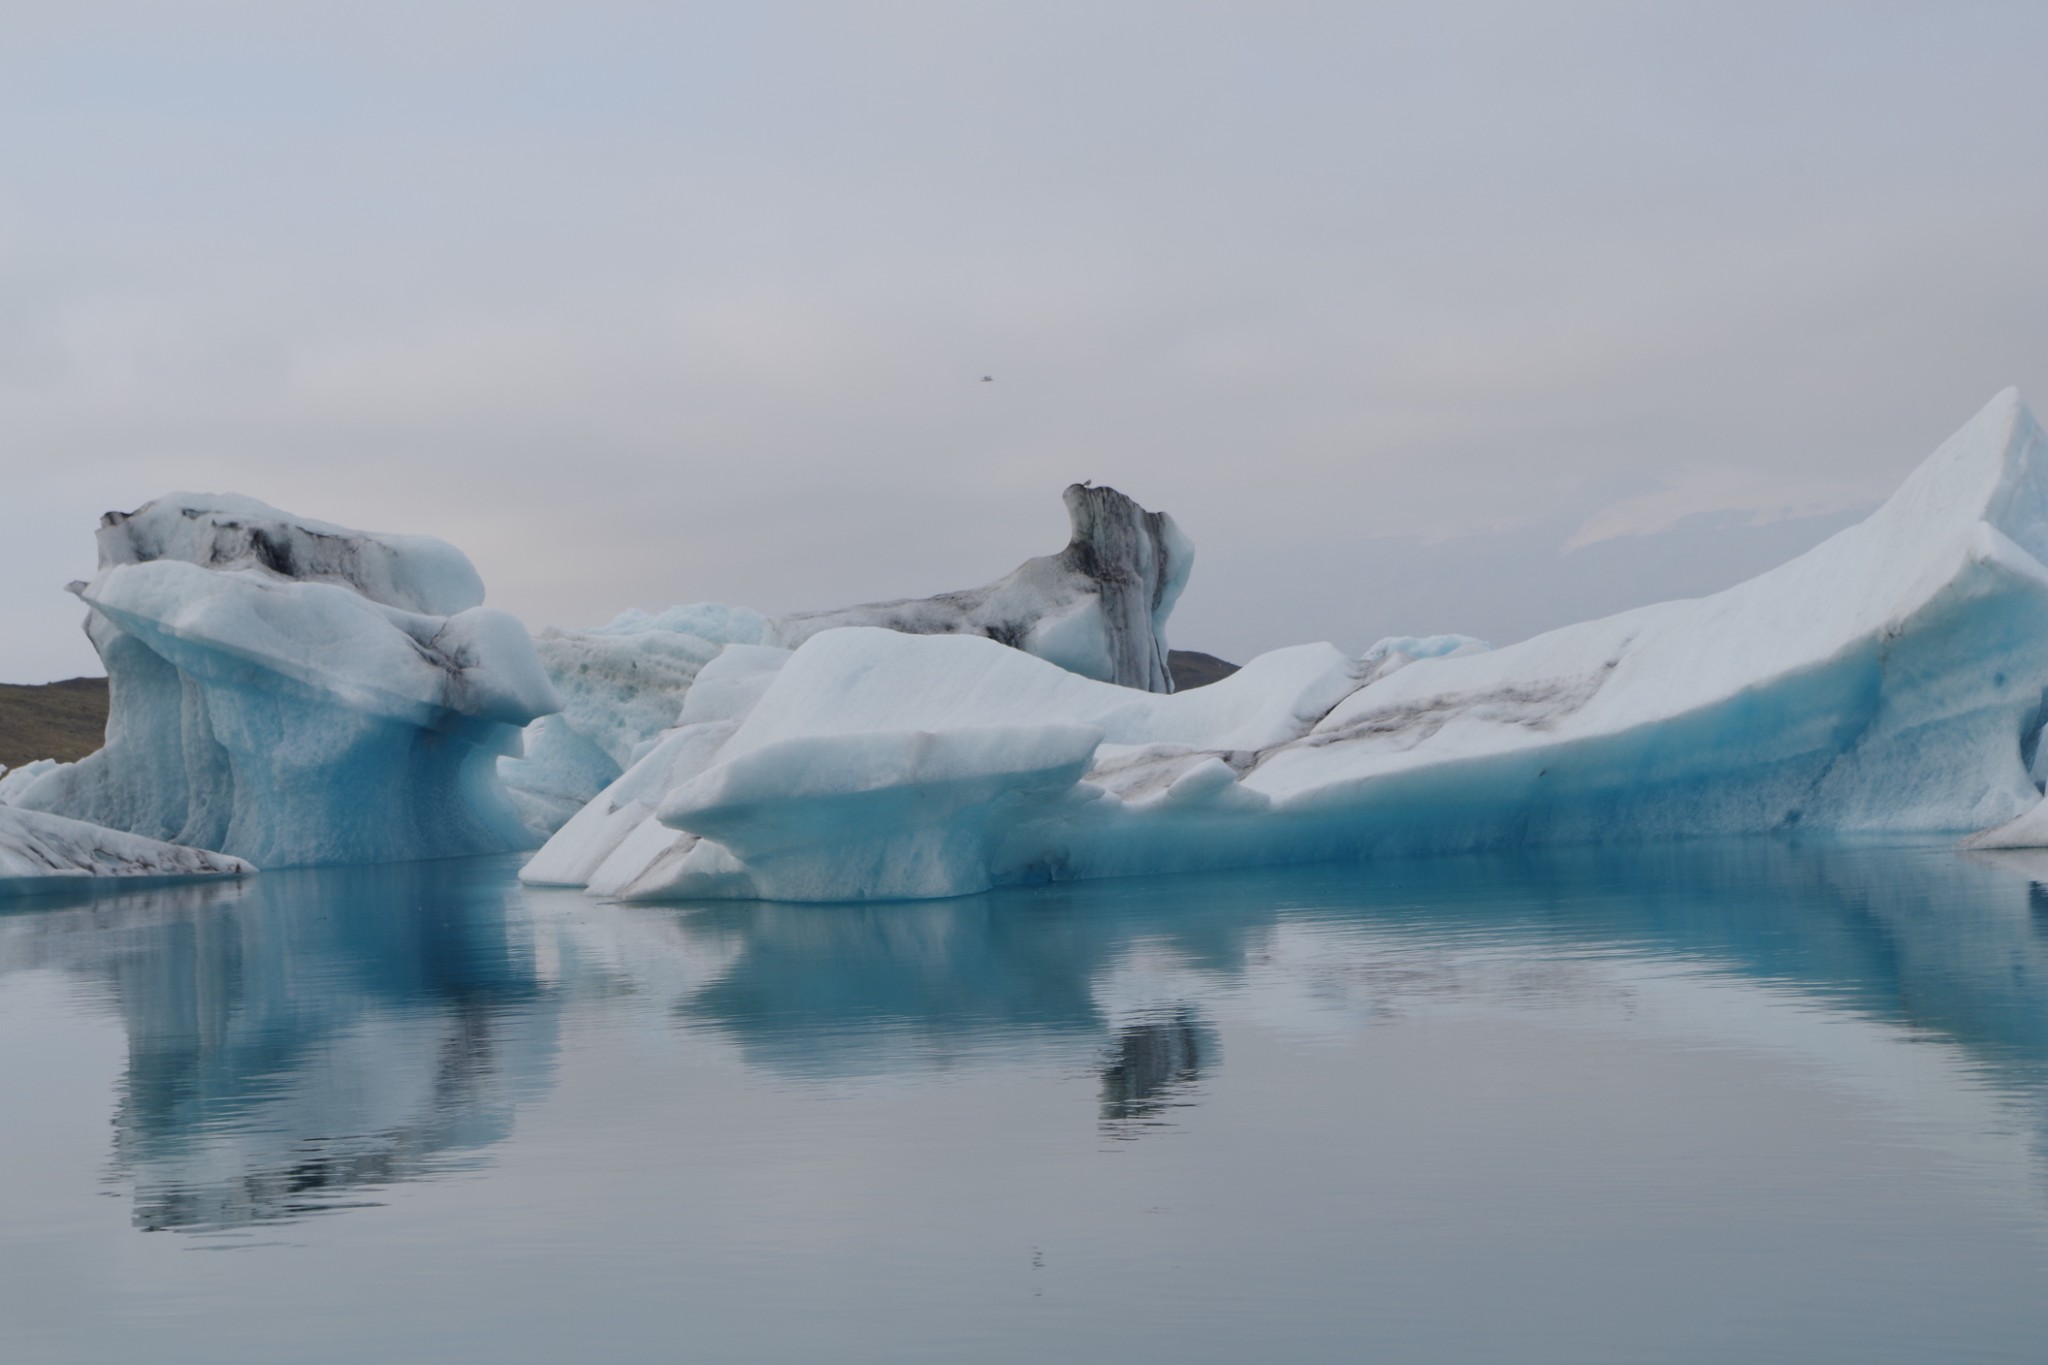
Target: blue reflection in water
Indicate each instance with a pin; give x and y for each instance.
(300, 1041)
(303, 1036)
(1954, 946)
(1750, 1100)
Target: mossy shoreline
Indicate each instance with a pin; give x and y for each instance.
(61, 720)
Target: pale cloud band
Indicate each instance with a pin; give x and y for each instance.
(643, 304)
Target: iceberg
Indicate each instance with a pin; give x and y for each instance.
(1889, 682)
(14, 781)
(1097, 608)
(292, 692)
(621, 685)
(811, 742)
(38, 852)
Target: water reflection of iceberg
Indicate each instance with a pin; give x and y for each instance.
(301, 1039)
(852, 990)
(1152, 1065)
(297, 1042)
(1919, 939)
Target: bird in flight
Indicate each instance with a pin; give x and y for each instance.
(988, 379)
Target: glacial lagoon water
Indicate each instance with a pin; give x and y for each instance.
(1720, 1102)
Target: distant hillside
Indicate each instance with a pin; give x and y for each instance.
(1192, 668)
(61, 720)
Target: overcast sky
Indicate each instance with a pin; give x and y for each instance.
(1416, 317)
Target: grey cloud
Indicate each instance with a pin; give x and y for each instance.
(648, 303)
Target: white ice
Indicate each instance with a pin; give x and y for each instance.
(621, 685)
(16, 780)
(994, 726)
(1097, 608)
(1890, 681)
(294, 692)
(39, 851)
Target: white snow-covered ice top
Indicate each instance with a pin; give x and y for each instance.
(422, 574)
(1889, 681)
(295, 692)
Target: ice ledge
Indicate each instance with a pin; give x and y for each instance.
(39, 851)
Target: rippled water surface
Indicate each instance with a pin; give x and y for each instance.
(1747, 1102)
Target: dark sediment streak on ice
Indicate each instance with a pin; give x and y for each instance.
(1098, 607)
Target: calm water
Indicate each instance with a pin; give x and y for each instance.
(1719, 1103)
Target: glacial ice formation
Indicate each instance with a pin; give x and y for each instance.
(1097, 608)
(292, 692)
(40, 851)
(621, 685)
(998, 733)
(1890, 681)
(14, 781)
